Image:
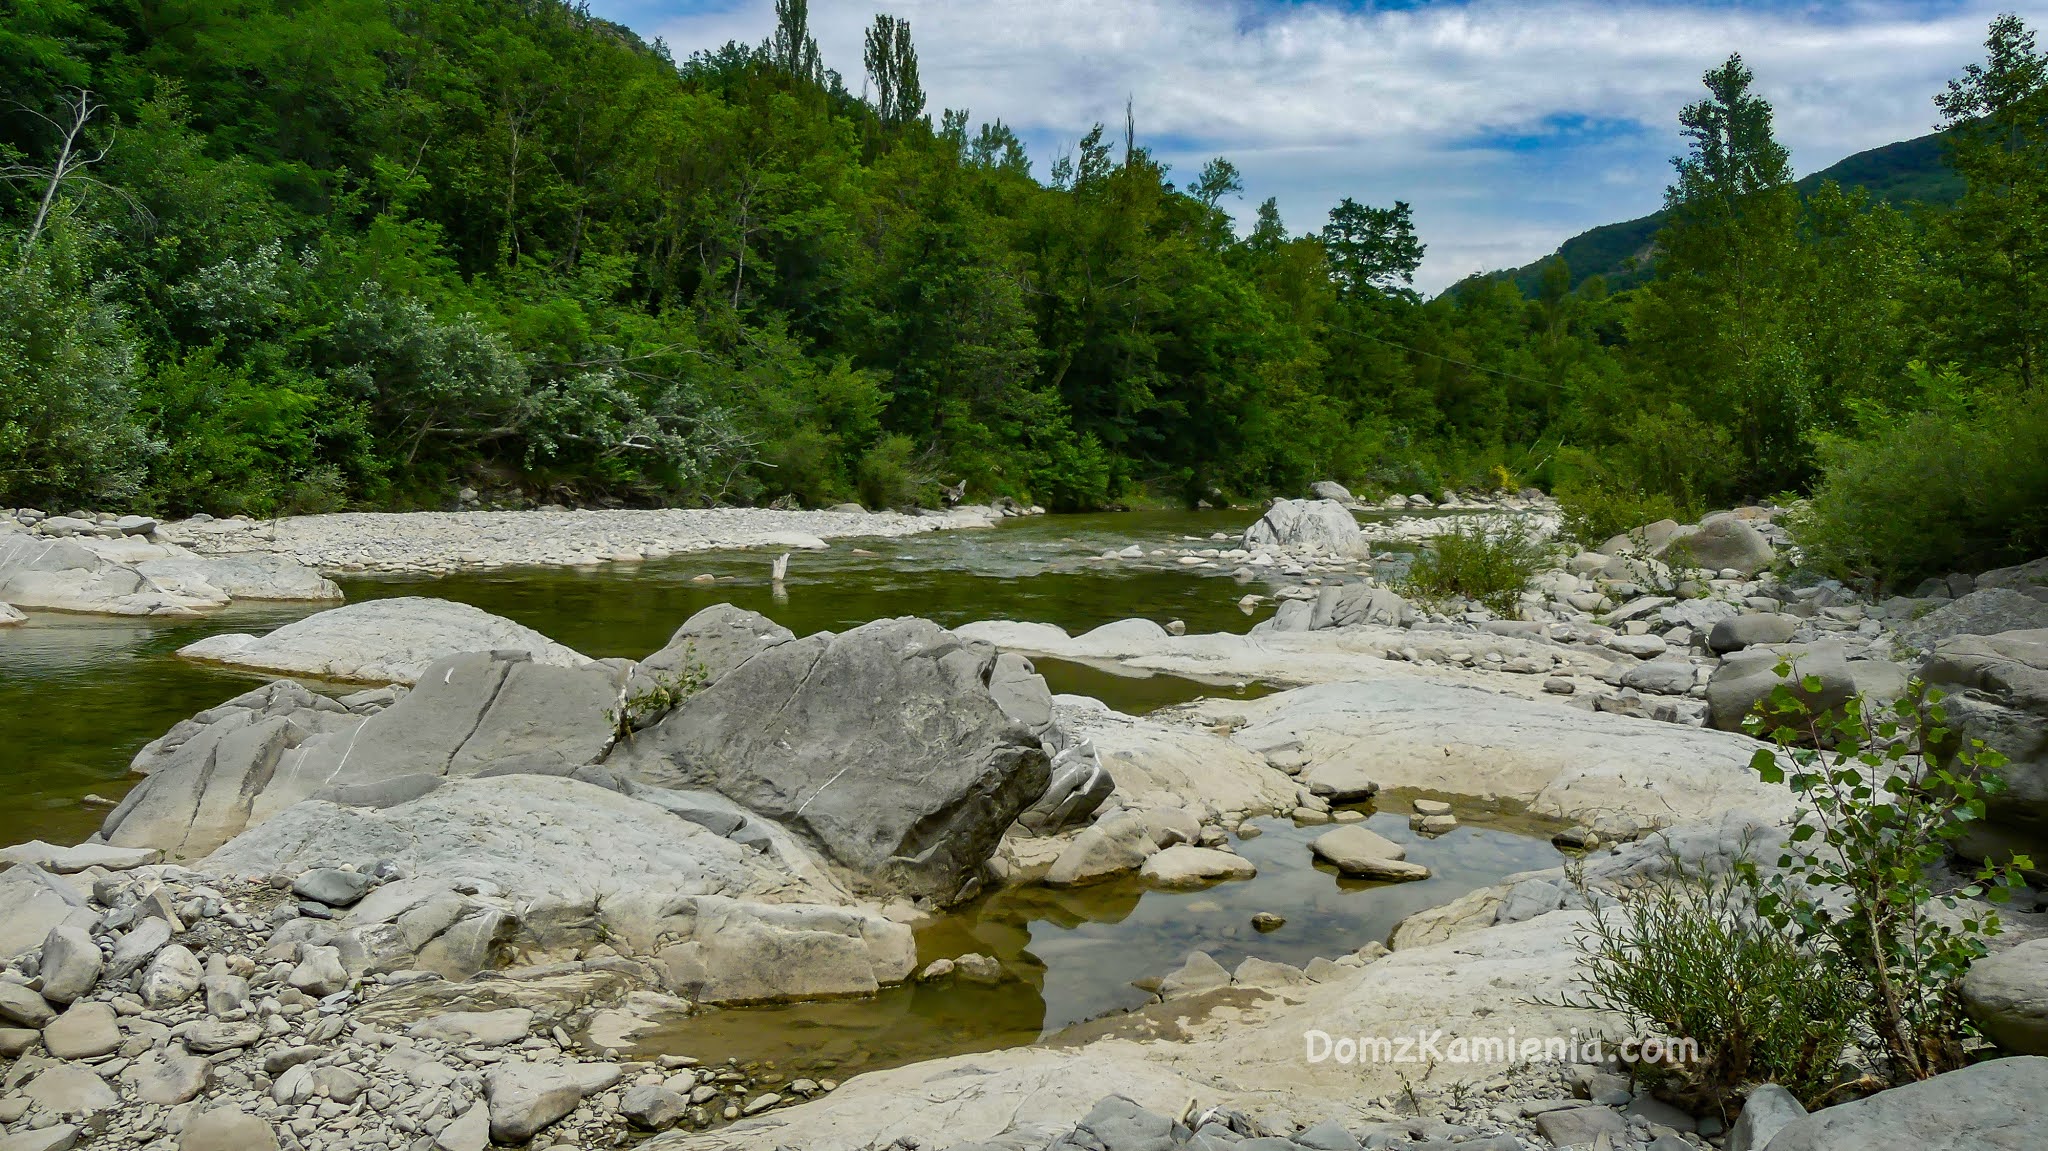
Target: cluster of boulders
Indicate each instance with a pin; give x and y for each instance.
(172, 1007)
(126, 566)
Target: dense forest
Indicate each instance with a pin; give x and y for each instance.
(296, 255)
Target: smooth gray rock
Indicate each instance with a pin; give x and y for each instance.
(71, 860)
(1078, 788)
(2000, 1105)
(527, 1098)
(1301, 525)
(1198, 974)
(226, 1129)
(137, 947)
(1748, 678)
(1352, 604)
(32, 901)
(2007, 994)
(1581, 1126)
(70, 1089)
(882, 745)
(379, 641)
(1117, 844)
(85, 1031)
(71, 964)
(651, 1107)
(707, 645)
(471, 1131)
(1332, 491)
(171, 978)
(1664, 676)
(170, 1078)
(331, 886)
(56, 1137)
(476, 1028)
(1997, 688)
(1739, 632)
(319, 971)
(1355, 851)
(1768, 1110)
(1988, 611)
(1722, 541)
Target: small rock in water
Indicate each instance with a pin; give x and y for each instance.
(1431, 807)
(1266, 921)
(977, 968)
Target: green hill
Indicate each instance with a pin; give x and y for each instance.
(1906, 172)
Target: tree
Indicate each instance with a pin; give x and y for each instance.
(792, 49)
(892, 66)
(1719, 326)
(1219, 178)
(1990, 306)
(1372, 249)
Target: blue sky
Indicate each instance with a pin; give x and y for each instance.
(1509, 125)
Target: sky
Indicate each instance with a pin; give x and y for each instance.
(1510, 126)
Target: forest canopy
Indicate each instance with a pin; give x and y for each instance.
(266, 256)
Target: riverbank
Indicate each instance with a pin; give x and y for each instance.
(429, 542)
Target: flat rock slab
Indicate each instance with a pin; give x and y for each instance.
(1356, 851)
(381, 641)
(1182, 866)
(70, 860)
(476, 1028)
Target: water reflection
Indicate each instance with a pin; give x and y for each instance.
(1072, 955)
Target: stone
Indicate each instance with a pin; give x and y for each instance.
(1639, 646)
(1747, 630)
(1722, 541)
(1198, 974)
(1988, 611)
(56, 1137)
(1183, 867)
(1340, 782)
(1299, 525)
(32, 901)
(745, 952)
(86, 1031)
(331, 886)
(170, 1078)
(1078, 788)
(525, 1099)
(1257, 972)
(137, 947)
(70, 860)
(2006, 993)
(1767, 1111)
(69, 1089)
(1112, 846)
(1661, 676)
(379, 641)
(226, 1129)
(470, 1131)
(212, 1036)
(714, 641)
(1748, 678)
(1582, 1127)
(71, 964)
(1332, 491)
(11, 616)
(910, 798)
(1356, 851)
(319, 971)
(1999, 1105)
(653, 1108)
(1997, 688)
(15, 1041)
(1355, 604)
(476, 1028)
(171, 978)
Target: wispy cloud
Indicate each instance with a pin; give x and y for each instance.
(1509, 126)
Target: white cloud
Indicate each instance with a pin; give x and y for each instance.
(1467, 111)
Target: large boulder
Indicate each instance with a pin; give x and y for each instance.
(1747, 678)
(1722, 541)
(2007, 994)
(1987, 611)
(1332, 491)
(884, 746)
(1997, 689)
(236, 765)
(130, 576)
(1322, 526)
(2001, 1105)
(711, 643)
(1344, 605)
(729, 910)
(381, 641)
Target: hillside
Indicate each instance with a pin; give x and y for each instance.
(1906, 172)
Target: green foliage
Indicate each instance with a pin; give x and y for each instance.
(1597, 510)
(1489, 560)
(1688, 957)
(1960, 484)
(1884, 791)
(890, 476)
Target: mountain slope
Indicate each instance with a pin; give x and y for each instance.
(1909, 171)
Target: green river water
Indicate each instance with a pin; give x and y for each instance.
(79, 695)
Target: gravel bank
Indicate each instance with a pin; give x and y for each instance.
(452, 541)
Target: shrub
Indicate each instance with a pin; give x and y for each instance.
(1689, 958)
(1596, 511)
(1931, 492)
(1880, 808)
(1490, 560)
(888, 475)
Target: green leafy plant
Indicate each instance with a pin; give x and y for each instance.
(660, 693)
(1689, 957)
(1489, 560)
(1884, 792)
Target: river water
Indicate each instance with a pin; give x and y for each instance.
(79, 695)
